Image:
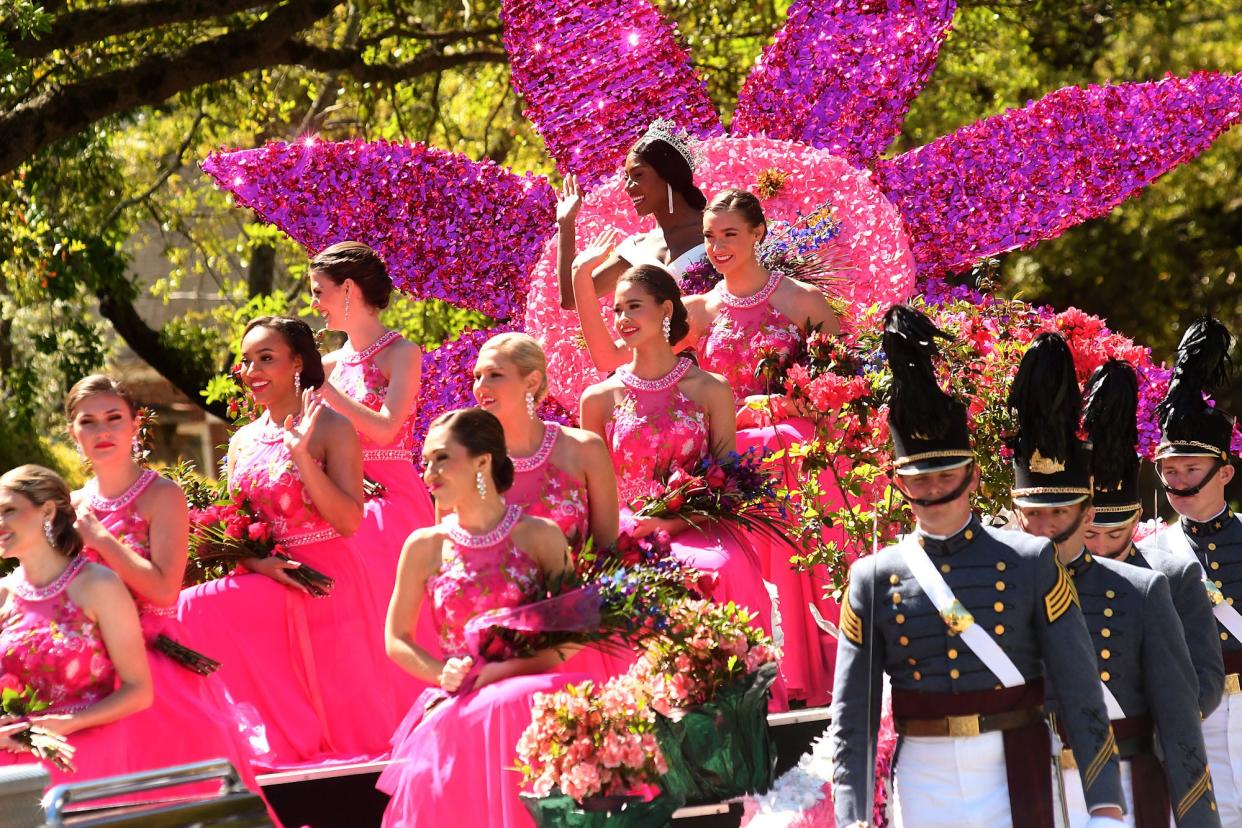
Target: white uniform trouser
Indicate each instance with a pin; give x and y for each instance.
(1076, 802)
(1222, 734)
(951, 782)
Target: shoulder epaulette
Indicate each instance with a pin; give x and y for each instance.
(1062, 594)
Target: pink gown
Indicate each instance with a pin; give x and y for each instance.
(311, 667)
(745, 329)
(388, 520)
(49, 644)
(452, 764)
(192, 719)
(543, 490)
(655, 428)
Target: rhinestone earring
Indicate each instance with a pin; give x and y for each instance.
(530, 405)
(297, 384)
(480, 483)
(47, 532)
(668, 327)
(135, 448)
(670, 197)
(346, 304)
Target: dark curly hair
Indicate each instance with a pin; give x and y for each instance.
(661, 286)
(301, 339)
(480, 433)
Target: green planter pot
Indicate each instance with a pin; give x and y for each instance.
(722, 749)
(556, 810)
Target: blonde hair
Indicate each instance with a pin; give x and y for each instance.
(40, 485)
(94, 384)
(524, 352)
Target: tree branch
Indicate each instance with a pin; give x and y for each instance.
(62, 112)
(350, 62)
(92, 25)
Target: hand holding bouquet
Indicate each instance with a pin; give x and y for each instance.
(20, 701)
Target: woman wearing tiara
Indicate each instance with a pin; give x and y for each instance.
(310, 666)
(70, 635)
(374, 382)
(660, 412)
(136, 523)
(452, 755)
(659, 181)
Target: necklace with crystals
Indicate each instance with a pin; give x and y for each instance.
(29, 592)
(99, 503)
(463, 537)
(373, 348)
(541, 455)
(659, 383)
(273, 432)
(755, 299)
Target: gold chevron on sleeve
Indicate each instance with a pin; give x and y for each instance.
(851, 624)
(1106, 752)
(1196, 792)
(1062, 594)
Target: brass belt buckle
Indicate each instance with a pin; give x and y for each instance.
(1067, 760)
(963, 725)
(957, 618)
(1233, 684)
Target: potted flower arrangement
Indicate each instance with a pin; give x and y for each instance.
(591, 758)
(708, 679)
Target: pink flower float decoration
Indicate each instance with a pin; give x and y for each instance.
(838, 78)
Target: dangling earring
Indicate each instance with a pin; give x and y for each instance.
(135, 448)
(297, 384)
(668, 327)
(346, 304)
(530, 405)
(47, 532)
(480, 483)
(81, 454)
(670, 197)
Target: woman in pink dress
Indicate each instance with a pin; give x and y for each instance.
(374, 381)
(69, 632)
(136, 523)
(750, 315)
(452, 756)
(310, 666)
(660, 412)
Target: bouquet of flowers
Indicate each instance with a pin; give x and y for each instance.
(20, 700)
(591, 741)
(740, 489)
(226, 533)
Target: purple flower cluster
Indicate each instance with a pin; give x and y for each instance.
(595, 75)
(449, 228)
(841, 73)
(1030, 174)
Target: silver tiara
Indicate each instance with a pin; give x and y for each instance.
(687, 146)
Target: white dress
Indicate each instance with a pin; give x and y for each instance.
(636, 253)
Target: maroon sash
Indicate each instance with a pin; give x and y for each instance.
(1027, 749)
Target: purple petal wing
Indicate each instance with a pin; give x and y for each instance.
(595, 74)
(841, 74)
(449, 228)
(1030, 174)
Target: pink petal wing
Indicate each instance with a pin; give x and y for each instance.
(595, 74)
(841, 74)
(1030, 174)
(449, 228)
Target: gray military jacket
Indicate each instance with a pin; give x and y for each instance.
(1195, 612)
(1013, 585)
(1142, 657)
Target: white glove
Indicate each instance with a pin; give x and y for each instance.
(1105, 822)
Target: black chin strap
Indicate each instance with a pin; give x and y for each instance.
(1069, 533)
(1193, 490)
(953, 495)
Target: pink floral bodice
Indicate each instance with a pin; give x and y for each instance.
(480, 573)
(655, 428)
(264, 472)
(48, 644)
(119, 515)
(358, 377)
(745, 330)
(543, 490)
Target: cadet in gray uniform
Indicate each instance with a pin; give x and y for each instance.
(965, 620)
(1144, 667)
(1112, 425)
(1193, 462)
